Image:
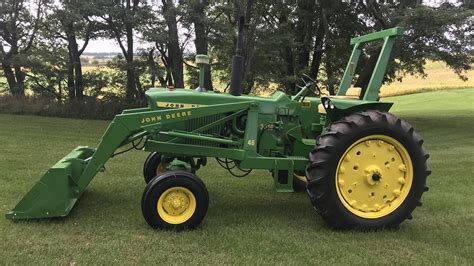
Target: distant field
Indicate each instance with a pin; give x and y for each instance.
(90, 68)
(440, 77)
(3, 84)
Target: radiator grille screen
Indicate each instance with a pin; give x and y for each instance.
(200, 122)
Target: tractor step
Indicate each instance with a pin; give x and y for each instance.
(57, 191)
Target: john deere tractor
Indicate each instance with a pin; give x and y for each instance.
(361, 166)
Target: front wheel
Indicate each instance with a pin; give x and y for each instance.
(157, 164)
(368, 171)
(175, 200)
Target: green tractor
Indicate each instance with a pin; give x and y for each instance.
(361, 166)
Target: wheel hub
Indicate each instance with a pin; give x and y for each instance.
(176, 205)
(374, 176)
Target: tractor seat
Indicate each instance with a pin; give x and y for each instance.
(351, 93)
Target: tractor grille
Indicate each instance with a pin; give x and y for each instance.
(200, 122)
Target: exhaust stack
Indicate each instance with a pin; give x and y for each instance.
(238, 63)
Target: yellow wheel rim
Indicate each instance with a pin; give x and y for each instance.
(176, 205)
(162, 167)
(374, 176)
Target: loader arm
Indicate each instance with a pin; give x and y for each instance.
(63, 184)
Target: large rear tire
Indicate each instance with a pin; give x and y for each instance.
(368, 171)
(299, 181)
(175, 200)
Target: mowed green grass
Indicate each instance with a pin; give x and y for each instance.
(247, 222)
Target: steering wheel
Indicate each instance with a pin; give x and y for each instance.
(308, 81)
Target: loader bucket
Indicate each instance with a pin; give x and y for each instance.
(57, 191)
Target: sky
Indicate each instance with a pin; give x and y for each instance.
(102, 46)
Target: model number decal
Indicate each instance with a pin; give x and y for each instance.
(176, 105)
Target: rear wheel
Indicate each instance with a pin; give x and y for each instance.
(368, 171)
(299, 181)
(175, 200)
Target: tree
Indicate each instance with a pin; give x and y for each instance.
(197, 15)
(19, 24)
(437, 33)
(175, 54)
(121, 20)
(69, 22)
(47, 70)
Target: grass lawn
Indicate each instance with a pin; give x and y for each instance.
(247, 222)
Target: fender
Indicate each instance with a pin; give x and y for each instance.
(337, 108)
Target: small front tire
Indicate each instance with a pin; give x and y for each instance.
(155, 165)
(175, 200)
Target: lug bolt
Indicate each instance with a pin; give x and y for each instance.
(347, 158)
(401, 180)
(402, 168)
(342, 169)
(396, 192)
(341, 183)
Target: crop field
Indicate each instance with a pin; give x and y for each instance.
(439, 77)
(247, 222)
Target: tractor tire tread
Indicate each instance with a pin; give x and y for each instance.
(324, 159)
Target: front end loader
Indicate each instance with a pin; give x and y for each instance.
(361, 166)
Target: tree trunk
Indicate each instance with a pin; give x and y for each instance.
(303, 34)
(318, 49)
(10, 75)
(75, 62)
(174, 52)
(71, 91)
(201, 41)
(153, 67)
(328, 51)
(287, 55)
(131, 91)
(14, 74)
(249, 45)
(15, 78)
(330, 73)
(366, 72)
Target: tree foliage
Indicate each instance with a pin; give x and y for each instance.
(41, 42)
